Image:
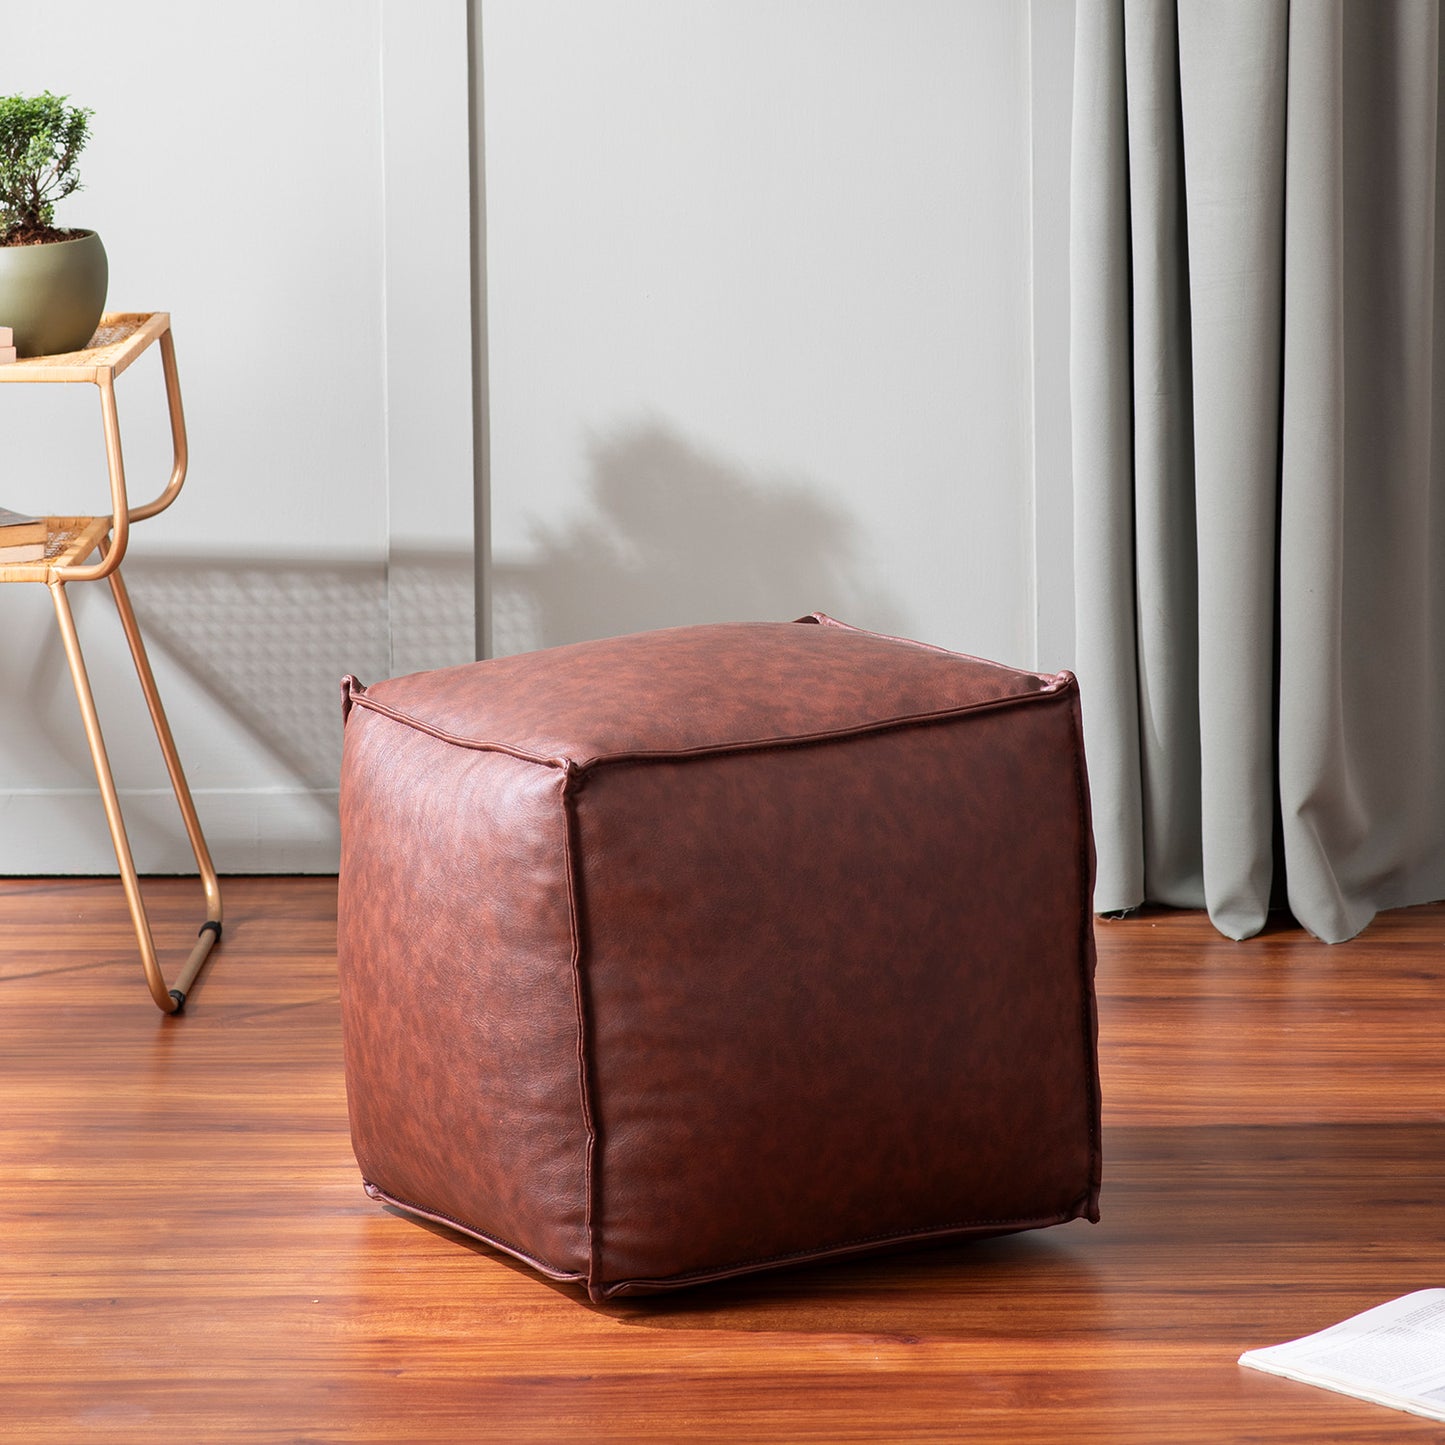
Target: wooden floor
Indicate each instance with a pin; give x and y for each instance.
(186, 1254)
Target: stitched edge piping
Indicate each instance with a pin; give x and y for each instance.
(820, 1253)
(1055, 687)
(437, 1217)
(1086, 953)
(579, 999)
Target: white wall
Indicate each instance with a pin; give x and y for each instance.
(289, 180)
(773, 322)
(759, 292)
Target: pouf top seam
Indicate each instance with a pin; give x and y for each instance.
(872, 728)
(1054, 687)
(359, 698)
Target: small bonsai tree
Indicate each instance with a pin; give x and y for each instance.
(41, 138)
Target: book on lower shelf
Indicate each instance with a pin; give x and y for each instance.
(17, 529)
(22, 538)
(1392, 1355)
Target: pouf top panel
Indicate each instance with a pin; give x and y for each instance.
(687, 689)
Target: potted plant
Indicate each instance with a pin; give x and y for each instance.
(52, 279)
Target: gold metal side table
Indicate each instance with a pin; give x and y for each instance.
(70, 544)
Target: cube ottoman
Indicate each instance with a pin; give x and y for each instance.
(676, 956)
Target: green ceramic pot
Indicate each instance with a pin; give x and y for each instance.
(52, 295)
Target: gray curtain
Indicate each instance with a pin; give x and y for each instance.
(1258, 364)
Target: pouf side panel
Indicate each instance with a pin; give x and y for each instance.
(839, 994)
(458, 989)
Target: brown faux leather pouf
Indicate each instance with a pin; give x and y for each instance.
(709, 950)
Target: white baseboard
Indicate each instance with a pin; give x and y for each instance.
(275, 830)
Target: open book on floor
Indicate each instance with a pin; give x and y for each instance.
(1393, 1355)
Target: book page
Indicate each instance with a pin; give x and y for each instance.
(1393, 1354)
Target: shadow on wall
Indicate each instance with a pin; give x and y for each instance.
(675, 535)
(672, 535)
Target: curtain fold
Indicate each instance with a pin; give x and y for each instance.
(1260, 520)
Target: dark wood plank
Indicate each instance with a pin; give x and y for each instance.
(186, 1253)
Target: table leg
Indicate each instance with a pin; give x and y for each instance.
(168, 1000)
